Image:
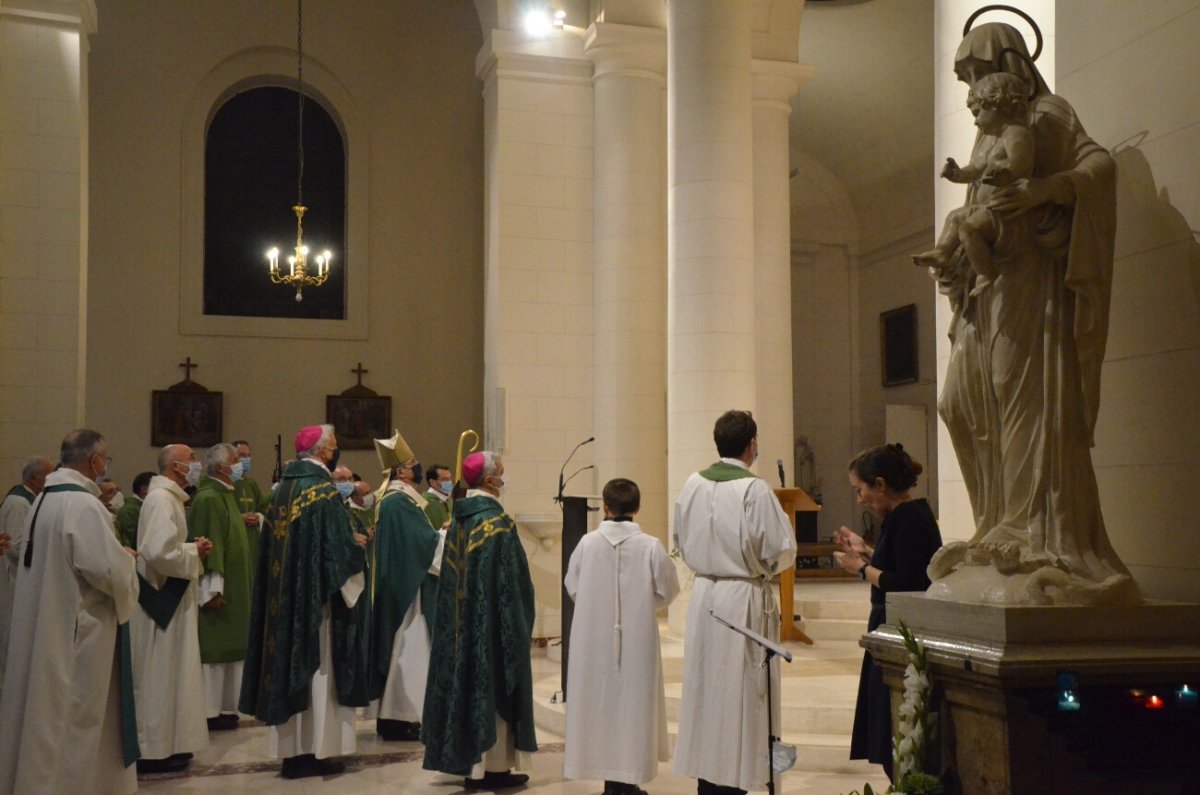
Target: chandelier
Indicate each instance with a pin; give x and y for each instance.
(297, 274)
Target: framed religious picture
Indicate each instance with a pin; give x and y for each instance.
(898, 345)
(186, 416)
(358, 421)
(359, 415)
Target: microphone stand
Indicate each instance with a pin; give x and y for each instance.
(770, 649)
(562, 483)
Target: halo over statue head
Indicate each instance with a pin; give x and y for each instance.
(1037, 32)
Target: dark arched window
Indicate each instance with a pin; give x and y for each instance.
(250, 167)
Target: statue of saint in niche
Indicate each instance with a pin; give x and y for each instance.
(1028, 332)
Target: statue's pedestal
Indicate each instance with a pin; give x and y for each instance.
(996, 669)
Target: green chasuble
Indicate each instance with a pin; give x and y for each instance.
(303, 562)
(214, 514)
(404, 547)
(250, 499)
(481, 639)
(436, 510)
(720, 472)
(125, 522)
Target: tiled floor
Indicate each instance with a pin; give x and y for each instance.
(819, 688)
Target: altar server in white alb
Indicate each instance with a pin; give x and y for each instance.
(733, 534)
(60, 715)
(616, 714)
(167, 677)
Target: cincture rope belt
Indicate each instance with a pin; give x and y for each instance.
(769, 608)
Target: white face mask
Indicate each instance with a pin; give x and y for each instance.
(116, 502)
(193, 472)
(503, 484)
(237, 471)
(368, 501)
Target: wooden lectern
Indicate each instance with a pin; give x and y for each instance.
(792, 501)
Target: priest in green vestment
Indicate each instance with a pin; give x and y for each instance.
(440, 483)
(126, 520)
(303, 667)
(478, 718)
(251, 500)
(406, 562)
(224, 586)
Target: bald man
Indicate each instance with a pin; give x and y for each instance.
(168, 681)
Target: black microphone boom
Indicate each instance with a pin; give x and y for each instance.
(561, 483)
(782, 480)
(577, 471)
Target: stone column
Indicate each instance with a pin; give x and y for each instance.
(43, 223)
(711, 349)
(538, 294)
(774, 83)
(630, 261)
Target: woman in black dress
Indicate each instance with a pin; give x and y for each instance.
(882, 478)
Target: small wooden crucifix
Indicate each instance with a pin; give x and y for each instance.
(359, 371)
(187, 368)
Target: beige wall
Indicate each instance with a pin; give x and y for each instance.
(408, 70)
(42, 228)
(1129, 70)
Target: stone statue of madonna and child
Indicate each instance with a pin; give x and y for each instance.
(1027, 266)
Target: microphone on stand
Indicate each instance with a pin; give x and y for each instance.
(577, 471)
(562, 483)
(782, 479)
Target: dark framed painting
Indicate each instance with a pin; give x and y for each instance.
(358, 421)
(898, 345)
(186, 417)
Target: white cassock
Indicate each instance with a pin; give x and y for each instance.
(404, 694)
(167, 677)
(326, 728)
(60, 716)
(616, 710)
(14, 512)
(735, 537)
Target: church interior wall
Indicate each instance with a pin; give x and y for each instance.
(1127, 69)
(409, 69)
(41, 141)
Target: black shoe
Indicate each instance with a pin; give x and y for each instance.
(307, 766)
(493, 780)
(398, 730)
(172, 764)
(223, 722)
(621, 788)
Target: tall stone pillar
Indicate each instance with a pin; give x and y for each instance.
(630, 274)
(774, 83)
(711, 348)
(43, 223)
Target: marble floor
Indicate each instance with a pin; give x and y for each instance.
(819, 689)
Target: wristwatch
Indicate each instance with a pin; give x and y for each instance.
(862, 571)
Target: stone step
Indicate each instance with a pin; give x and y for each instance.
(858, 610)
(820, 629)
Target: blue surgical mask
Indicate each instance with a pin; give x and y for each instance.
(447, 487)
(245, 462)
(237, 470)
(346, 488)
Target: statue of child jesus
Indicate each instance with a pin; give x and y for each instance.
(1002, 155)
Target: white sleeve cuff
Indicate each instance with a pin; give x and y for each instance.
(353, 588)
(211, 584)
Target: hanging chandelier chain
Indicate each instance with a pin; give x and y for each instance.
(300, 102)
